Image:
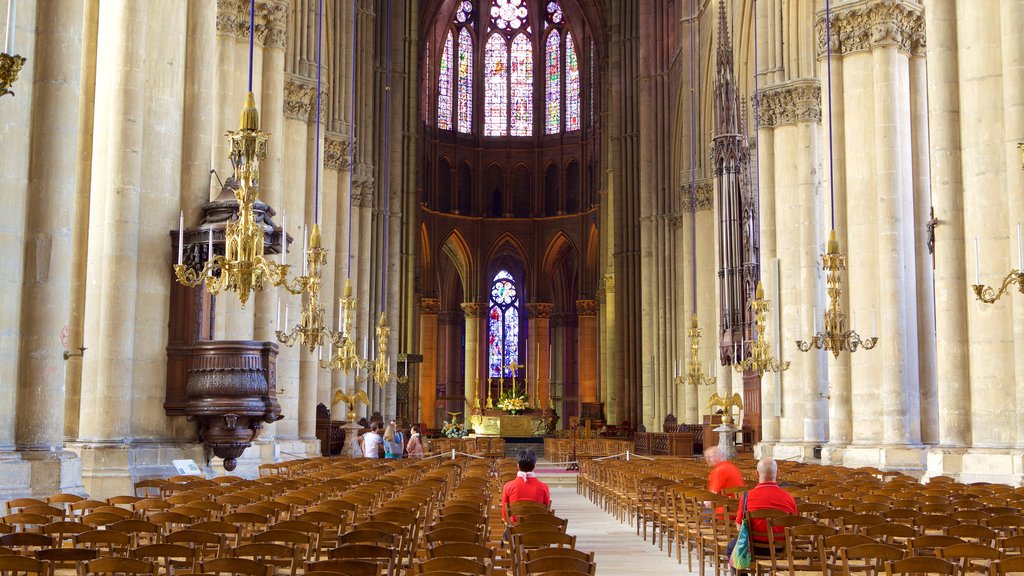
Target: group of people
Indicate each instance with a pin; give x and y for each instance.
(392, 440)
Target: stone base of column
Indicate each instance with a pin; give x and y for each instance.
(112, 469)
(1001, 465)
(38, 474)
(834, 454)
(267, 452)
(910, 459)
(792, 451)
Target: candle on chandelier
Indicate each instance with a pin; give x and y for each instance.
(284, 238)
(853, 325)
(286, 315)
(675, 369)
(341, 312)
(181, 236)
(12, 9)
(1020, 250)
(977, 262)
(305, 248)
(278, 313)
(209, 244)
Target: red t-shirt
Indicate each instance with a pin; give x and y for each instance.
(764, 496)
(530, 489)
(724, 475)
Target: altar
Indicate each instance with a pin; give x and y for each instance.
(497, 423)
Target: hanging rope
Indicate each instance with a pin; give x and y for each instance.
(387, 156)
(828, 64)
(757, 141)
(252, 36)
(351, 138)
(319, 68)
(693, 164)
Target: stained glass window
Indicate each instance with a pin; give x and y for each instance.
(508, 14)
(572, 85)
(502, 325)
(465, 81)
(522, 86)
(554, 12)
(496, 87)
(553, 93)
(465, 11)
(444, 87)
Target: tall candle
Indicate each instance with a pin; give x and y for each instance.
(279, 313)
(284, 238)
(341, 313)
(977, 262)
(181, 236)
(12, 24)
(305, 248)
(209, 243)
(1020, 250)
(286, 315)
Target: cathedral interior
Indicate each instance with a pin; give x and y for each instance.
(619, 211)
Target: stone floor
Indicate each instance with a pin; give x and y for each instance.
(618, 550)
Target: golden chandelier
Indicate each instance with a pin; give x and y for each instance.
(694, 375)
(760, 359)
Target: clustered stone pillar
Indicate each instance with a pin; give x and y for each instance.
(587, 336)
(429, 309)
(540, 331)
(474, 312)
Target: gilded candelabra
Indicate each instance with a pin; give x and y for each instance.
(988, 294)
(243, 267)
(835, 338)
(345, 357)
(380, 371)
(312, 331)
(760, 359)
(10, 67)
(694, 375)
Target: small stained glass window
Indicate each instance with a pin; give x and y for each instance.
(465, 81)
(508, 14)
(444, 87)
(522, 87)
(496, 87)
(553, 90)
(572, 85)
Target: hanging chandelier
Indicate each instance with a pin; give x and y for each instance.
(760, 359)
(10, 63)
(695, 376)
(243, 268)
(835, 338)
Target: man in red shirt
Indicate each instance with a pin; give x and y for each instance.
(765, 496)
(724, 474)
(526, 486)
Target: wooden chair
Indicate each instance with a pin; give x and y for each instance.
(1012, 565)
(119, 566)
(970, 558)
(928, 545)
(23, 565)
(64, 531)
(805, 550)
(270, 554)
(833, 546)
(346, 567)
(16, 504)
(555, 563)
(383, 555)
(66, 558)
(232, 566)
(206, 544)
(868, 559)
(972, 533)
(898, 535)
(25, 522)
(141, 531)
(169, 556)
(920, 565)
(452, 565)
(231, 533)
(26, 542)
(462, 550)
(108, 542)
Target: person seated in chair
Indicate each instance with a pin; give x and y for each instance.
(765, 496)
(526, 486)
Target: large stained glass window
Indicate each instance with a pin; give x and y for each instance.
(503, 325)
(572, 85)
(522, 86)
(465, 81)
(496, 87)
(444, 87)
(508, 14)
(553, 91)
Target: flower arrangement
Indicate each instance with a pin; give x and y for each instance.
(513, 402)
(453, 429)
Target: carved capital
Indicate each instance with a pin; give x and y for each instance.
(700, 196)
(338, 152)
(789, 103)
(272, 16)
(586, 307)
(298, 98)
(609, 283)
(540, 309)
(366, 197)
(473, 309)
(430, 305)
(868, 24)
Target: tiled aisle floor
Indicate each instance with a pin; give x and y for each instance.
(617, 549)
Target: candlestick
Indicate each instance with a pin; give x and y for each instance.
(977, 262)
(305, 248)
(853, 325)
(209, 243)
(12, 24)
(1020, 250)
(285, 314)
(278, 313)
(340, 313)
(284, 238)
(181, 236)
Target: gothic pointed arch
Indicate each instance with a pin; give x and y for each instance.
(456, 249)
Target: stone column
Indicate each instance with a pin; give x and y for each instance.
(474, 312)
(953, 368)
(615, 387)
(120, 81)
(47, 256)
(429, 308)
(587, 338)
(540, 331)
